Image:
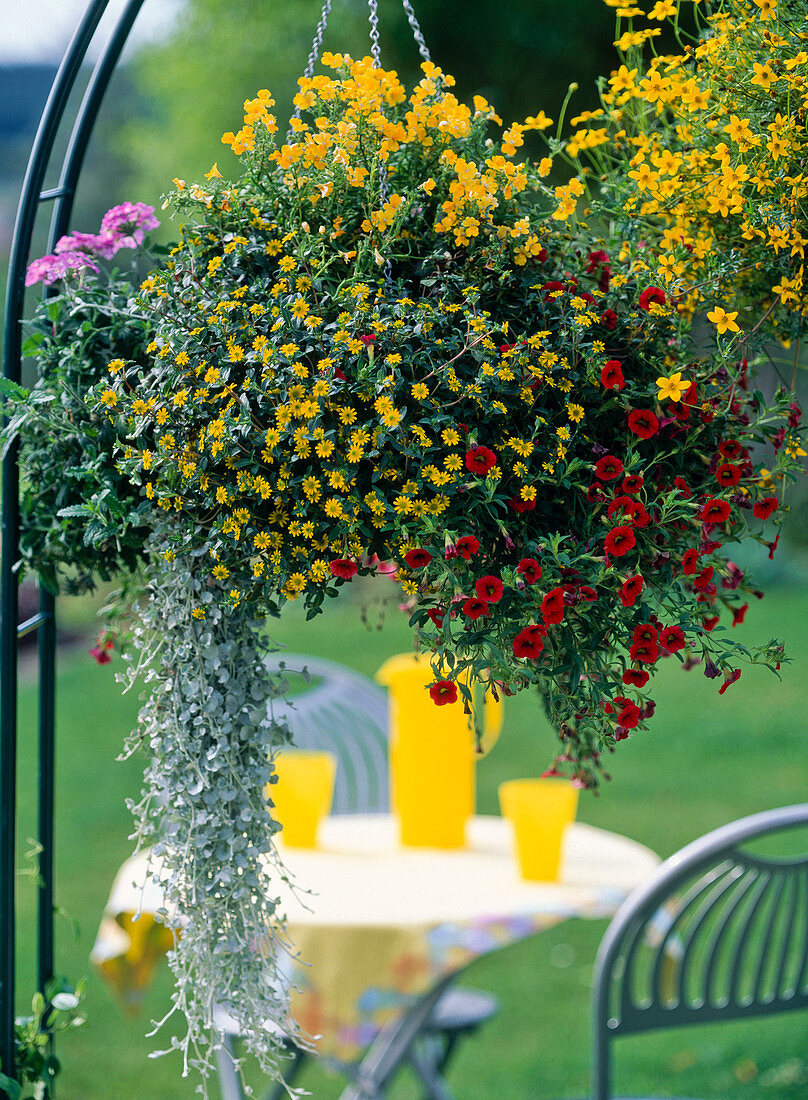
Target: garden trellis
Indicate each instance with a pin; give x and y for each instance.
(33, 199)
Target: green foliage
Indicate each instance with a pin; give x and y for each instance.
(54, 1011)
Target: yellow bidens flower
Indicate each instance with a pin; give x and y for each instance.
(723, 321)
(672, 388)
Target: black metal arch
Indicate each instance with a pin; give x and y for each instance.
(32, 198)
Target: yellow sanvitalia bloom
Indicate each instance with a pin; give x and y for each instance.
(672, 388)
(723, 321)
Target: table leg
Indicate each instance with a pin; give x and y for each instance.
(392, 1046)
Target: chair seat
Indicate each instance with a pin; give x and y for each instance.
(460, 1008)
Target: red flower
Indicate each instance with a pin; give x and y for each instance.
(529, 642)
(101, 653)
(489, 589)
(682, 486)
(530, 570)
(643, 423)
(762, 509)
(632, 483)
(611, 375)
(417, 558)
(437, 615)
(552, 288)
(635, 677)
(608, 468)
(343, 567)
(714, 511)
(479, 460)
(467, 546)
(629, 716)
(672, 638)
(727, 475)
(731, 449)
(630, 590)
(609, 319)
(552, 606)
(475, 608)
(644, 651)
(443, 692)
(645, 632)
(739, 614)
(690, 562)
(619, 541)
(652, 294)
(703, 580)
(369, 338)
(710, 623)
(594, 494)
(595, 259)
(730, 676)
(587, 593)
(520, 505)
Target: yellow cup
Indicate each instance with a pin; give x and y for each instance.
(539, 810)
(302, 795)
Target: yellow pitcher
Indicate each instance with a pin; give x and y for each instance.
(432, 755)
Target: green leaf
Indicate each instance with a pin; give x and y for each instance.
(12, 390)
(13, 1088)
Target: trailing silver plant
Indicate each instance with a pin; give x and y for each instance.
(208, 729)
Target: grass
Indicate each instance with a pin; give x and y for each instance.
(706, 760)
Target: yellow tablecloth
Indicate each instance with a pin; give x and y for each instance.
(382, 923)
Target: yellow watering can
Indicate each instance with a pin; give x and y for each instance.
(432, 755)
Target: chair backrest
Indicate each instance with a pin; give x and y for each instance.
(718, 932)
(342, 712)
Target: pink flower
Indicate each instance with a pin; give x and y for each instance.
(49, 269)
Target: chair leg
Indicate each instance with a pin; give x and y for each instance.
(428, 1072)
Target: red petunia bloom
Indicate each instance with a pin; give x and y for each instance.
(714, 511)
(467, 546)
(619, 541)
(368, 338)
(703, 580)
(672, 639)
(587, 593)
(529, 642)
(417, 558)
(632, 483)
(636, 677)
(489, 589)
(762, 509)
(710, 623)
(644, 651)
(443, 692)
(652, 294)
(479, 460)
(727, 475)
(682, 486)
(520, 505)
(690, 562)
(594, 494)
(474, 608)
(629, 716)
(643, 423)
(731, 448)
(608, 468)
(437, 616)
(632, 510)
(645, 632)
(343, 567)
(611, 375)
(530, 570)
(553, 606)
(739, 614)
(609, 319)
(630, 590)
(731, 675)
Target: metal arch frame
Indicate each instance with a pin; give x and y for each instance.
(716, 861)
(31, 198)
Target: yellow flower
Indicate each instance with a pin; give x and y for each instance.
(672, 388)
(723, 321)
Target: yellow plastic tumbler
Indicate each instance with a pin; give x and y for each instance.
(302, 795)
(540, 811)
(432, 755)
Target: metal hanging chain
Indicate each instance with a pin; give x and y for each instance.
(316, 44)
(423, 49)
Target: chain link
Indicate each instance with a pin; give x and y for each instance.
(417, 34)
(375, 48)
(314, 53)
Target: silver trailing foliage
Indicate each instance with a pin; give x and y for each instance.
(207, 727)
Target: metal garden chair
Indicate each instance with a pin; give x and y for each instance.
(346, 714)
(719, 932)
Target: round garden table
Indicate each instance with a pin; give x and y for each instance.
(381, 930)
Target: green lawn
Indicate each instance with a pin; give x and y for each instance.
(706, 760)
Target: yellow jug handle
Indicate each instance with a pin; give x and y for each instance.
(493, 717)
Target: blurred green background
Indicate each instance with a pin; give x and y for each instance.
(706, 760)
